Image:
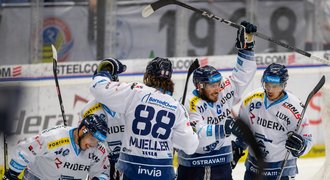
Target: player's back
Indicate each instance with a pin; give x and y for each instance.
(150, 117)
(155, 123)
(54, 155)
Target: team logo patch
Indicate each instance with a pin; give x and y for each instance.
(92, 109)
(192, 104)
(58, 163)
(31, 149)
(64, 153)
(253, 96)
(101, 149)
(37, 138)
(292, 109)
(154, 100)
(58, 143)
(224, 85)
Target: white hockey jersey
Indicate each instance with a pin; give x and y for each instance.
(155, 123)
(115, 123)
(214, 148)
(270, 122)
(53, 154)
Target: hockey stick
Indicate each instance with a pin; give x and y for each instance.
(311, 94)
(57, 84)
(248, 137)
(151, 8)
(5, 151)
(10, 96)
(191, 69)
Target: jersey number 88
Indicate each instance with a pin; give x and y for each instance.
(142, 124)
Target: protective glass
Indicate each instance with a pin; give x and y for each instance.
(213, 86)
(273, 86)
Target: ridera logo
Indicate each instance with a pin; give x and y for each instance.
(150, 172)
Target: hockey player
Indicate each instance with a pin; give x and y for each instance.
(115, 131)
(154, 121)
(272, 114)
(209, 107)
(63, 153)
(115, 127)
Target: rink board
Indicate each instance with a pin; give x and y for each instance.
(40, 108)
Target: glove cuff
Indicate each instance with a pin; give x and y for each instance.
(249, 42)
(249, 46)
(106, 66)
(10, 175)
(104, 74)
(301, 152)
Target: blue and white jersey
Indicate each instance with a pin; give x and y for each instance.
(115, 124)
(53, 154)
(209, 118)
(270, 122)
(155, 123)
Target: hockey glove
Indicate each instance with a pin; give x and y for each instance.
(10, 175)
(244, 38)
(237, 153)
(96, 178)
(113, 156)
(112, 66)
(232, 128)
(295, 144)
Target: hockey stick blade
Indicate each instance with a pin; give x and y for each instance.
(54, 53)
(150, 9)
(191, 69)
(58, 90)
(318, 86)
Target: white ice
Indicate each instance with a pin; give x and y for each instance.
(307, 168)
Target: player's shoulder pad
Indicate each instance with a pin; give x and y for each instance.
(294, 99)
(52, 129)
(293, 105)
(258, 94)
(137, 85)
(58, 142)
(92, 109)
(224, 84)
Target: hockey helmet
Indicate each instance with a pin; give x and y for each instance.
(96, 126)
(275, 73)
(206, 74)
(160, 67)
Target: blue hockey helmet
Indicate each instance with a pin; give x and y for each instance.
(275, 73)
(206, 74)
(96, 126)
(160, 67)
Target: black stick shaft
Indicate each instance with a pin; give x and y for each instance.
(191, 69)
(58, 90)
(161, 3)
(5, 150)
(311, 94)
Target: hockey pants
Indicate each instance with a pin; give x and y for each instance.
(219, 172)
